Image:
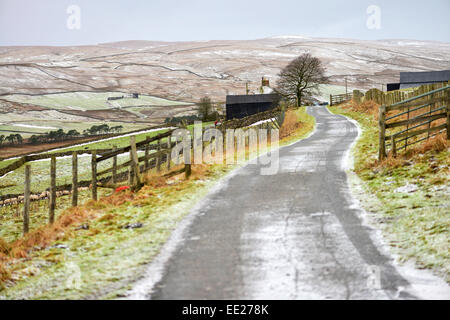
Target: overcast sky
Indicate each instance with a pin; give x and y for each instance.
(44, 22)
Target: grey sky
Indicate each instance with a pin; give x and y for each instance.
(43, 22)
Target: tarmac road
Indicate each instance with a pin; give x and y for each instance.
(296, 234)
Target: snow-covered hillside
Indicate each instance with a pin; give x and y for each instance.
(188, 70)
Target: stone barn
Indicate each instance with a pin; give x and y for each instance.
(241, 106)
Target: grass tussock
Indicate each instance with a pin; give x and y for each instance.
(4, 248)
(43, 236)
(5, 274)
(388, 162)
(436, 144)
(117, 198)
(367, 107)
(199, 172)
(431, 146)
(40, 238)
(290, 124)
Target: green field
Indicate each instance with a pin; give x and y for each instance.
(31, 127)
(38, 122)
(4, 163)
(89, 100)
(327, 89)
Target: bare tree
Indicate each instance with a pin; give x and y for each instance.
(300, 79)
(205, 108)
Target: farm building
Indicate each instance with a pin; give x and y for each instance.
(416, 79)
(115, 98)
(240, 106)
(132, 95)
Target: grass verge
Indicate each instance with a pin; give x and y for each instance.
(416, 224)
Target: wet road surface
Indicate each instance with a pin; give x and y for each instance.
(296, 234)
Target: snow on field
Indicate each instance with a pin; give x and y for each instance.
(57, 64)
(251, 53)
(290, 37)
(32, 126)
(88, 100)
(75, 108)
(261, 122)
(411, 43)
(205, 64)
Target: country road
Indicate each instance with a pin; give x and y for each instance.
(293, 235)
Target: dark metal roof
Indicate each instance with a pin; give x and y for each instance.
(252, 98)
(424, 77)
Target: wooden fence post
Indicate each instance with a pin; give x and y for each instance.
(169, 153)
(74, 179)
(394, 146)
(159, 157)
(187, 170)
(448, 114)
(147, 151)
(135, 164)
(114, 167)
(131, 174)
(203, 141)
(331, 100)
(382, 126)
(188, 160)
(407, 129)
(94, 175)
(52, 205)
(429, 113)
(26, 200)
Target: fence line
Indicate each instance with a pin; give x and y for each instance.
(155, 160)
(422, 122)
(395, 97)
(340, 98)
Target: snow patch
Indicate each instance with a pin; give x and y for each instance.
(290, 37)
(31, 126)
(261, 122)
(409, 188)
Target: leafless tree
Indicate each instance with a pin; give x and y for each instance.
(205, 109)
(301, 78)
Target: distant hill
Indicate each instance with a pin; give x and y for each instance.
(186, 71)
